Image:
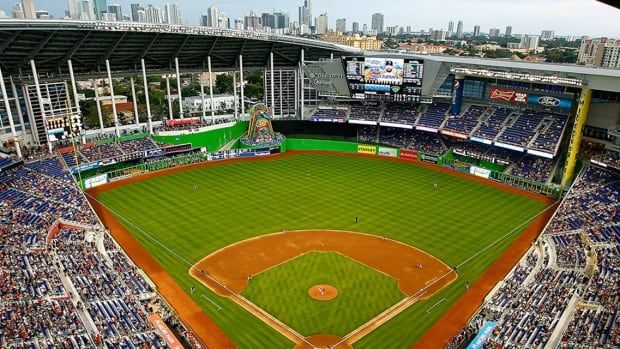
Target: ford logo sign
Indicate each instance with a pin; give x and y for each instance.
(548, 101)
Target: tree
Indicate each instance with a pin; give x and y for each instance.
(254, 87)
(224, 83)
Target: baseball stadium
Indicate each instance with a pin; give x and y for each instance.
(367, 200)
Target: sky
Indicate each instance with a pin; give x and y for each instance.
(566, 17)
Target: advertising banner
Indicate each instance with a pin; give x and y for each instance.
(500, 94)
(482, 336)
(457, 96)
(366, 149)
(392, 152)
(550, 101)
(163, 330)
(328, 77)
(409, 155)
(96, 181)
(429, 158)
(480, 172)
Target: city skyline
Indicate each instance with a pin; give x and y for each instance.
(565, 17)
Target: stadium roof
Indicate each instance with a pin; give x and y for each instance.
(88, 44)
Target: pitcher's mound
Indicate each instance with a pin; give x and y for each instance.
(323, 292)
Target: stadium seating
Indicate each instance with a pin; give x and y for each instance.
(521, 132)
(434, 115)
(135, 145)
(552, 282)
(411, 139)
(365, 111)
(490, 128)
(329, 114)
(65, 283)
(400, 113)
(466, 121)
(533, 168)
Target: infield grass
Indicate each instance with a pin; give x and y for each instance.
(363, 293)
(236, 201)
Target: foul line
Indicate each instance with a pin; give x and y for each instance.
(212, 302)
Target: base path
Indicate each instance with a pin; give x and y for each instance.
(228, 271)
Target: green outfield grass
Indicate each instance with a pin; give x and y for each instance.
(237, 201)
(363, 293)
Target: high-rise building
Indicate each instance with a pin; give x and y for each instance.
(172, 12)
(530, 42)
(476, 31)
(355, 27)
(116, 10)
(239, 23)
(252, 22)
(459, 30)
(508, 31)
(211, 18)
(100, 6)
(408, 29)
(134, 11)
(438, 35)
(321, 25)
(601, 52)
(268, 20)
(305, 13)
(341, 25)
(153, 14)
(141, 15)
(28, 8)
(494, 32)
(74, 9)
(377, 22)
(88, 10)
(3, 14)
(281, 20)
(365, 28)
(547, 35)
(451, 28)
(18, 11)
(222, 20)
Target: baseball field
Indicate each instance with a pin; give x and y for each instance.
(303, 249)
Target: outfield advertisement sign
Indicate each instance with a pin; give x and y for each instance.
(409, 155)
(483, 335)
(429, 158)
(96, 181)
(366, 149)
(480, 172)
(550, 101)
(392, 152)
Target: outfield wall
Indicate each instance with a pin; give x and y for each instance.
(213, 140)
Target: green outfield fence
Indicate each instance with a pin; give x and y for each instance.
(213, 140)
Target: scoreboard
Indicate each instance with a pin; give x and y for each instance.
(384, 79)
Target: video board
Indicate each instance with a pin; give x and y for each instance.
(388, 79)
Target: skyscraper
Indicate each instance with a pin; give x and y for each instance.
(355, 27)
(117, 11)
(153, 14)
(494, 32)
(252, 22)
(281, 20)
(459, 30)
(134, 12)
(222, 20)
(268, 20)
(508, 31)
(88, 10)
(18, 11)
(547, 35)
(377, 22)
(211, 18)
(321, 24)
(74, 9)
(28, 8)
(100, 6)
(450, 28)
(239, 23)
(173, 14)
(341, 25)
(305, 13)
(476, 31)
(365, 28)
